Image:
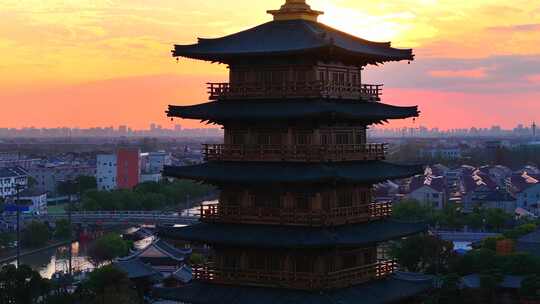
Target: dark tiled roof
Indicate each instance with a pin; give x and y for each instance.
(436, 183)
(12, 172)
(169, 251)
(289, 38)
(265, 236)
(378, 292)
(135, 268)
(521, 181)
(282, 172)
(291, 109)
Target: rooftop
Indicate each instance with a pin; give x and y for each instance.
(265, 110)
(274, 236)
(293, 173)
(12, 172)
(397, 287)
(294, 31)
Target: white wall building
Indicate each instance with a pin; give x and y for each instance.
(38, 200)
(529, 198)
(106, 172)
(428, 190)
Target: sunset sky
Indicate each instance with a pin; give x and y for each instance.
(84, 63)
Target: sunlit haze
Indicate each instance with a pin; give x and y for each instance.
(85, 63)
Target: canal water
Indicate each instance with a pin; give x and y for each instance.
(54, 260)
(57, 260)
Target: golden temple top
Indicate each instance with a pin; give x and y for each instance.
(295, 9)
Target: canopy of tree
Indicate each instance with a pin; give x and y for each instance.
(35, 234)
(21, 285)
(146, 196)
(107, 248)
(451, 217)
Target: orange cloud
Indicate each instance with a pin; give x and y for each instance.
(472, 73)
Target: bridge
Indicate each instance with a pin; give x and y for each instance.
(460, 236)
(187, 217)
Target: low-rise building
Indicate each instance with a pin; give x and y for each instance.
(485, 198)
(525, 187)
(10, 179)
(37, 200)
(47, 177)
(428, 190)
(106, 172)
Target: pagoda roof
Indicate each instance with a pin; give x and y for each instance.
(400, 286)
(368, 172)
(275, 236)
(291, 37)
(292, 109)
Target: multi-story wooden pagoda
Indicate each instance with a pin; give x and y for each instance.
(295, 222)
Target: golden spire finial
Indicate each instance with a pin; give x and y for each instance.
(295, 9)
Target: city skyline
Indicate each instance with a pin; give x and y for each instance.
(88, 63)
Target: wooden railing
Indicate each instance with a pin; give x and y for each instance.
(219, 213)
(367, 92)
(209, 272)
(301, 153)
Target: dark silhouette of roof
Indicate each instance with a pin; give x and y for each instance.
(135, 268)
(436, 183)
(286, 172)
(12, 172)
(397, 287)
(291, 37)
(268, 236)
(164, 248)
(278, 110)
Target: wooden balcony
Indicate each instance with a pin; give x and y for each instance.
(218, 213)
(294, 153)
(367, 92)
(209, 272)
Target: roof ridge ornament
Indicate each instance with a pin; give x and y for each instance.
(294, 10)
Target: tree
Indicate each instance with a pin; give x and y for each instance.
(107, 248)
(107, 285)
(86, 183)
(496, 218)
(35, 234)
(489, 281)
(520, 231)
(530, 288)
(6, 239)
(411, 210)
(62, 229)
(22, 285)
(425, 253)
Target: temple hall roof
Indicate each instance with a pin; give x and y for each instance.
(293, 173)
(267, 236)
(292, 109)
(398, 287)
(292, 37)
(159, 249)
(136, 269)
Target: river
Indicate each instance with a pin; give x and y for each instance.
(48, 262)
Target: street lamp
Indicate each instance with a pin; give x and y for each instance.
(18, 188)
